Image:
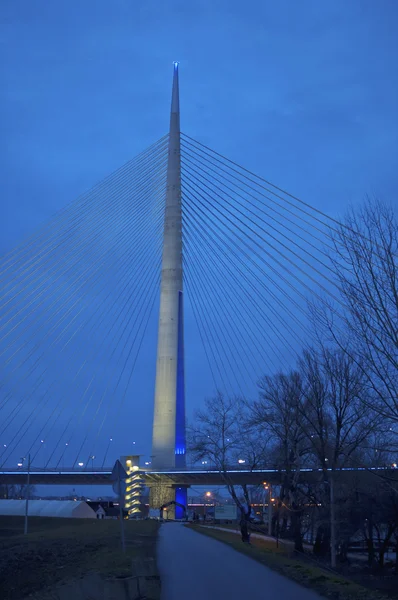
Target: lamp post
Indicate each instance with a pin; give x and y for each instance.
(207, 497)
(269, 510)
(332, 523)
(268, 488)
(27, 498)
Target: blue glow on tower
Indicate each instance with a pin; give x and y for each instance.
(180, 447)
(181, 498)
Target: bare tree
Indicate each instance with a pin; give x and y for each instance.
(16, 491)
(332, 413)
(276, 413)
(7, 491)
(335, 424)
(222, 437)
(21, 491)
(366, 267)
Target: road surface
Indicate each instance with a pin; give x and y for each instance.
(194, 566)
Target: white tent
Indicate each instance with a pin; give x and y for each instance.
(48, 508)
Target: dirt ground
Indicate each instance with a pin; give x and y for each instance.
(62, 550)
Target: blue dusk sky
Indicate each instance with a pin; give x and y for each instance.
(304, 94)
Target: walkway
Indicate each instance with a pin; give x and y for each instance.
(196, 567)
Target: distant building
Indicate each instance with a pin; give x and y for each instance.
(98, 508)
(48, 508)
(113, 512)
(105, 509)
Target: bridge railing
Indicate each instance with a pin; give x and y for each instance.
(189, 468)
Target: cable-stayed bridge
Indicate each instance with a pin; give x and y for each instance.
(80, 299)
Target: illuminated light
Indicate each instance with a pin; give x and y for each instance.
(110, 439)
(241, 461)
(80, 464)
(5, 445)
(176, 63)
(42, 441)
(394, 465)
(272, 499)
(135, 468)
(66, 444)
(208, 494)
(19, 464)
(128, 462)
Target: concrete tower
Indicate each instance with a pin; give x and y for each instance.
(168, 441)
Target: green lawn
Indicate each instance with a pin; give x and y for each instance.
(58, 550)
(326, 583)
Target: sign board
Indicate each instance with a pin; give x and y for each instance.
(226, 512)
(115, 487)
(118, 472)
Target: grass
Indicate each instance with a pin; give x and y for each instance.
(59, 550)
(326, 583)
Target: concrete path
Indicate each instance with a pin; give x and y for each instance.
(196, 567)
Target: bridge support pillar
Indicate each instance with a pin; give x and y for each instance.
(163, 494)
(168, 438)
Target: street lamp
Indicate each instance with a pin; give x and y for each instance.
(20, 464)
(106, 451)
(241, 461)
(92, 462)
(80, 464)
(268, 488)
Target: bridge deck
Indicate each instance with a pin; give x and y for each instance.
(188, 477)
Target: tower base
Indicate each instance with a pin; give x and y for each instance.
(173, 499)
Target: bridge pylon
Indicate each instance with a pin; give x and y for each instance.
(168, 439)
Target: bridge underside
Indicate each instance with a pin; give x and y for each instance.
(189, 478)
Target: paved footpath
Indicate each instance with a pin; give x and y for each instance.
(194, 566)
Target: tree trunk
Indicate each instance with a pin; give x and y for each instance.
(371, 549)
(381, 558)
(384, 545)
(312, 526)
(296, 527)
(284, 527)
(322, 541)
(343, 552)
